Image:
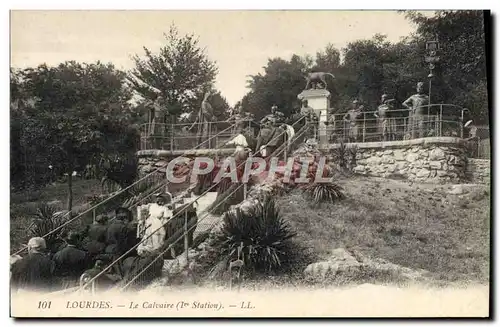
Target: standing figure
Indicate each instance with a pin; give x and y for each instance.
(384, 123)
(95, 242)
(238, 118)
(157, 129)
(332, 125)
(205, 116)
(35, 271)
(416, 103)
(353, 117)
(274, 119)
(118, 237)
(271, 135)
(311, 119)
(71, 262)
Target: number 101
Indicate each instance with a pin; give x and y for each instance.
(44, 304)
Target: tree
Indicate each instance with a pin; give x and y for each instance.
(462, 69)
(280, 84)
(81, 117)
(179, 73)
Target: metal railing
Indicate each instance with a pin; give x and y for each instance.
(181, 234)
(479, 146)
(102, 205)
(185, 136)
(399, 124)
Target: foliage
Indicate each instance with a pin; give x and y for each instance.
(344, 156)
(176, 77)
(45, 220)
(365, 69)
(70, 117)
(323, 192)
(279, 85)
(262, 235)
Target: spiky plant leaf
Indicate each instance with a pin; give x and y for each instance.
(45, 220)
(261, 234)
(324, 192)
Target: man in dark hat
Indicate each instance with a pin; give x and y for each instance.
(35, 271)
(95, 242)
(120, 236)
(71, 262)
(104, 280)
(116, 236)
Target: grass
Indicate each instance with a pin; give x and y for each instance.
(418, 226)
(23, 204)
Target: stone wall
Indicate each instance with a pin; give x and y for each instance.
(436, 159)
(478, 171)
(151, 160)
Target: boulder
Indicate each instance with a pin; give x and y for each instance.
(436, 154)
(345, 267)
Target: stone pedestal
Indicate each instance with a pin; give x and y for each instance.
(319, 100)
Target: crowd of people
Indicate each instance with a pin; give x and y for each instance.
(60, 266)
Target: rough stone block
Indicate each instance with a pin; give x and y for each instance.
(436, 164)
(423, 173)
(399, 155)
(436, 154)
(411, 157)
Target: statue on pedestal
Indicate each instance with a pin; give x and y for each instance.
(238, 118)
(353, 118)
(311, 118)
(384, 123)
(313, 79)
(156, 121)
(417, 103)
(205, 116)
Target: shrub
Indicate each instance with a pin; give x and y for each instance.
(261, 234)
(44, 221)
(323, 192)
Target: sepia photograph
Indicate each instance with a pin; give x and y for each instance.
(250, 163)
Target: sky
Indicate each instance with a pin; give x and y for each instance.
(240, 42)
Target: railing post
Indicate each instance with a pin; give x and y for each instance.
(171, 137)
(186, 239)
(364, 126)
(93, 216)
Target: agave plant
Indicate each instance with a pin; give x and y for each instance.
(45, 220)
(323, 192)
(259, 237)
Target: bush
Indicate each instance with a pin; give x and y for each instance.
(323, 192)
(261, 235)
(45, 220)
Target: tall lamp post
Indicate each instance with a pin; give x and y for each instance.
(432, 58)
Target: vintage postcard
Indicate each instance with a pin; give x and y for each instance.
(250, 163)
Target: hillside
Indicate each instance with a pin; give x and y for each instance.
(417, 226)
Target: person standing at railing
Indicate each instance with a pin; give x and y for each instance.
(274, 119)
(71, 262)
(119, 236)
(384, 123)
(417, 104)
(95, 241)
(353, 118)
(472, 139)
(34, 272)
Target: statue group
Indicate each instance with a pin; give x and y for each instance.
(356, 120)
